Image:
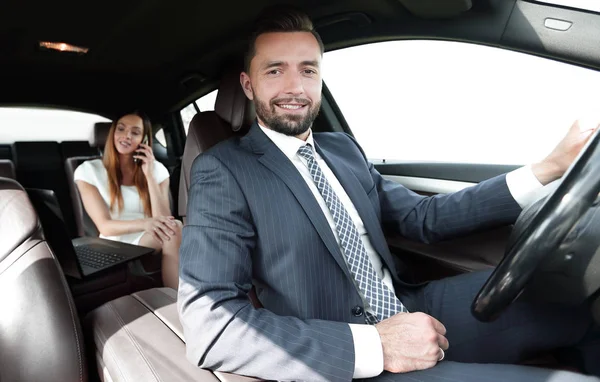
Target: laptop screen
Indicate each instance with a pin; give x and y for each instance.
(51, 218)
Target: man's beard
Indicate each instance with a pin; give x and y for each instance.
(289, 124)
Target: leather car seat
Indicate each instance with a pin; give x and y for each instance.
(40, 335)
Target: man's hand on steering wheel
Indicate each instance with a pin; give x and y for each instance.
(561, 157)
(540, 239)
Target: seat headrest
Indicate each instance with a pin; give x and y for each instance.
(7, 169)
(18, 219)
(100, 134)
(27, 156)
(232, 104)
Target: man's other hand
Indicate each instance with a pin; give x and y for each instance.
(411, 341)
(559, 160)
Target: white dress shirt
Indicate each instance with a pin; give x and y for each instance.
(522, 184)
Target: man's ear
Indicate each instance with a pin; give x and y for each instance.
(246, 85)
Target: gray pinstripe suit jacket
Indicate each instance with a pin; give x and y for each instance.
(253, 220)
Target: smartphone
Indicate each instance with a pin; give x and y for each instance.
(145, 141)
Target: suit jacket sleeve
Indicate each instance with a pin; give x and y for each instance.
(428, 219)
(223, 331)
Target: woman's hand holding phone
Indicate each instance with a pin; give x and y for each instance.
(145, 157)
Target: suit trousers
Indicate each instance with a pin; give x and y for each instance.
(490, 351)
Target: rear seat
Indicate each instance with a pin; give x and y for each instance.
(7, 169)
(70, 149)
(124, 349)
(40, 165)
(5, 151)
(83, 223)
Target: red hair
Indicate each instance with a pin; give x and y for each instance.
(112, 163)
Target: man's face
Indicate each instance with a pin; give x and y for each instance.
(284, 81)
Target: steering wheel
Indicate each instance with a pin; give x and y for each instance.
(543, 235)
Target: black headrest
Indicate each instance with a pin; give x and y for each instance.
(7, 169)
(100, 134)
(36, 156)
(232, 104)
(71, 149)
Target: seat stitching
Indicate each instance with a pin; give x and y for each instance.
(154, 312)
(103, 339)
(135, 343)
(76, 335)
(166, 294)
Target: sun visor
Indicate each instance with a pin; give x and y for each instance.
(437, 9)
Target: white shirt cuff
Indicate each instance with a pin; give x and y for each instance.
(523, 186)
(368, 353)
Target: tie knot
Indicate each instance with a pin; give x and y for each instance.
(306, 152)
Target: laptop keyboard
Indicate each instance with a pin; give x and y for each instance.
(95, 259)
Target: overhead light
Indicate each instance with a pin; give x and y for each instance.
(63, 47)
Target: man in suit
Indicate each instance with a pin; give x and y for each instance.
(300, 216)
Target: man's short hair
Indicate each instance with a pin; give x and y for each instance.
(279, 19)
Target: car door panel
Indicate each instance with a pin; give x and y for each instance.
(478, 251)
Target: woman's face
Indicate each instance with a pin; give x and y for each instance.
(129, 133)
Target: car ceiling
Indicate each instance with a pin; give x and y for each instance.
(160, 55)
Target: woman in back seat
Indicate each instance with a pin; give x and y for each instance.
(127, 193)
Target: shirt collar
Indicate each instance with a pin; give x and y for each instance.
(289, 145)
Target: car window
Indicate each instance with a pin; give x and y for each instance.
(456, 102)
(187, 113)
(160, 137)
(37, 124)
(204, 103)
(207, 102)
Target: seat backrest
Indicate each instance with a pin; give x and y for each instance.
(7, 169)
(100, 135)
(233, 116)
(40, 165)
(83, 223)
(40, 334)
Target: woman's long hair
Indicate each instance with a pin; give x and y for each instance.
(112, 164)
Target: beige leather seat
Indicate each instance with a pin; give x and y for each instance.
(40, 335)
(233, 115)
(139, 338)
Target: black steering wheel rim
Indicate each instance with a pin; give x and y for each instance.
(559, 213)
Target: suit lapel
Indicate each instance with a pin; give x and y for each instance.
(273, 159)
(361, 202)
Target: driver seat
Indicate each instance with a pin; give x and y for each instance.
(233, 115)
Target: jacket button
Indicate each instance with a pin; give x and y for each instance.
(357, 311)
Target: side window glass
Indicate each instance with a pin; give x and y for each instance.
(45, 124)
(205, 103)
(187, 113)
(160, 137)
(456, 102)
